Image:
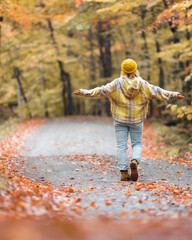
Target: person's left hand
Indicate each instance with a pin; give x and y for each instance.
(180, 96)
(77, 92)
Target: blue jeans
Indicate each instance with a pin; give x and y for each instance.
(136, 132)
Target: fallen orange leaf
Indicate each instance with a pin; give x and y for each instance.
(92, 204)
(124, 213)
(107, 203)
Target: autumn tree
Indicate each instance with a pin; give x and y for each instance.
(28, 24)
(58, 46)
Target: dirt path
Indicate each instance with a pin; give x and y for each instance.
(69, 136)
(81, 153)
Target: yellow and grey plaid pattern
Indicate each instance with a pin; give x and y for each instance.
(129, 97)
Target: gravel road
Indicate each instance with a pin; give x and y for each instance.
(52, 154)
(66, 136)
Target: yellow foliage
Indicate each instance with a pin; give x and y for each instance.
(188, 109)
(173, 107)
(179, 110)
(184, 47)
(119, 7)
(182, 111)
(34, 53)
(189, 117)
(101, 1)
(180, 115)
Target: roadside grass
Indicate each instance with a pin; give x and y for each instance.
(7, 127)
(178, 139)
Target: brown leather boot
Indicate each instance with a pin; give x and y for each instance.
(134, 171)
(125, 175)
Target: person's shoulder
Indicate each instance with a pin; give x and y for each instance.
(116, 80)
(113, 83)
(140, 79)
(143, 81)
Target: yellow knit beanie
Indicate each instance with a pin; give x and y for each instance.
(129, 66)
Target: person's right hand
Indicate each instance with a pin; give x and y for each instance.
(180, 96)
(77, 92)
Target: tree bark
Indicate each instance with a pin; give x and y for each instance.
(43, 82)
(20, 89)
(158, 50)
(19, 102)
(161, 72)
(96, 102)
(127, 53)
(105, 50)
(92, 59)
(64, 76)
(132, 38)
(146, 49)
(104, 40)
(146, 52)
(70, 106)
(1, 21)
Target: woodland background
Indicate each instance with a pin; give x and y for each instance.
(49, 48)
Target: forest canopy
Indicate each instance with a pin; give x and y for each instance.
(49, 48)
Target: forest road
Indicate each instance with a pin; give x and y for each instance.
(81, 153)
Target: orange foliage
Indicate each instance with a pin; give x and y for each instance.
(21, 16)
(78, 3)
(21, 197)
(63, 19)
(178, 14)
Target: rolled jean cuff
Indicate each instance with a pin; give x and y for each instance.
(123, 168)
(138, 160)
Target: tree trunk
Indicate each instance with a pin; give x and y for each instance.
(1, 21)
(70, 106)
(161, 72)
(104, 41)
(92, 59)
(64, 76)
(127, 53)
(20, 90)
(95, 102)
(132, 38)
(43, 83)
(188, 34)
(146, 52)
(19, 101)
(158, 50)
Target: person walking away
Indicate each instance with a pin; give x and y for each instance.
(129, 96)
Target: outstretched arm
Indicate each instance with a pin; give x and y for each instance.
(154, 92)
(98, 92)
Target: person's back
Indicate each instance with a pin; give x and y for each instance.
(129, 96)
(128, 103)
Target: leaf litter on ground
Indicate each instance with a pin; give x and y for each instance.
(21, 197)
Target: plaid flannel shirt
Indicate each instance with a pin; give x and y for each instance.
(129, 97)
